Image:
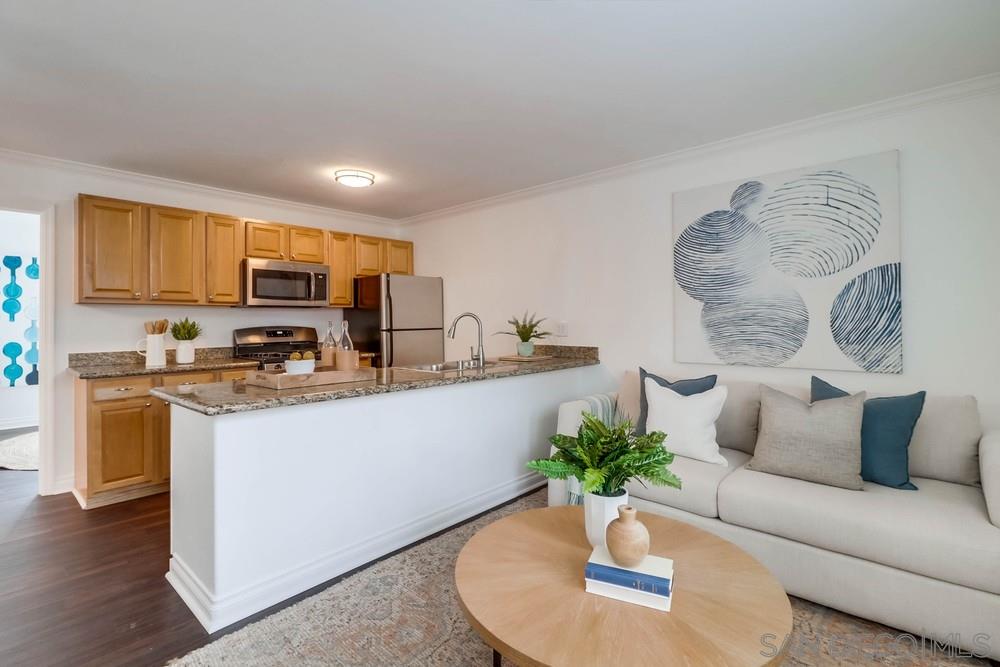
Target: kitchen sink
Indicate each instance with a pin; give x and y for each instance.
(448, 366)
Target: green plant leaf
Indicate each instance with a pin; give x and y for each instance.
(593, 480)
(554, 469)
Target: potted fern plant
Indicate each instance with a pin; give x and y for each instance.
(526, 329)
(185, 332)
(604, 457)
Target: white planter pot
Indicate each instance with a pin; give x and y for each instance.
(598, 512)
(185, 351)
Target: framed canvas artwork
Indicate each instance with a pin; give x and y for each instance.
(799, 269)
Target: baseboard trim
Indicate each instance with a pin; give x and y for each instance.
(63, 484)
(217, 612)
(12, 423)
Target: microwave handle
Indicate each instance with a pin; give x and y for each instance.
(312, 285)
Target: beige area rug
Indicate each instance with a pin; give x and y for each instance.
(403, 611)
(20, 452)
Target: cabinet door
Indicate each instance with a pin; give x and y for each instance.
(111, 259)
(176, 255)
(121, 437)
(268, 240)
(399, 257)
(369, 255)
(307, 245)
(341, 255)
(223, 256)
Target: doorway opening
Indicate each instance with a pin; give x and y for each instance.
(20, 341)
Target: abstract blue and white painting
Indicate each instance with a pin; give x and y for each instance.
(799, 269)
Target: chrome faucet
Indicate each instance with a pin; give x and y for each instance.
(478, 358)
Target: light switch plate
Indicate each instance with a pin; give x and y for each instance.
(562, 328)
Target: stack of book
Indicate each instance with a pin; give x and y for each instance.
(648, 584)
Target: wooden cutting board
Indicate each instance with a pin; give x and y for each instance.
(537, 357)
(283, 380)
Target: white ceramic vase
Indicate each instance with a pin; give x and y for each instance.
(185, 351)
(598, 512)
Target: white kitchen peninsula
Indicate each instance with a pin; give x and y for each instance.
(275, 492)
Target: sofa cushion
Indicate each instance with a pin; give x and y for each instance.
(682, 387)
(688, 421)
(941, 531)
(819, 442)
(700, 483)
(886, 431)
(945, 442)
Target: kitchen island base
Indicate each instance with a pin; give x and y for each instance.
(269, 503)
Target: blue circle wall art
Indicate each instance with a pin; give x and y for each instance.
(802, 270)
(866, 320)
(12, 291)
(31, 356)
(13, 370)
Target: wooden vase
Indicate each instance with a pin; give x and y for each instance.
(627, 538)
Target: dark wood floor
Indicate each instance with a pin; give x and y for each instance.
(87, 588)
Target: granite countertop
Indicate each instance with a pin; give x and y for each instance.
(222, 398)
(131, 368)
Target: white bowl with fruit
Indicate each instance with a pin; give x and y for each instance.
(300, 363)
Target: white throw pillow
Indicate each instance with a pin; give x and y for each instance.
(688, 421)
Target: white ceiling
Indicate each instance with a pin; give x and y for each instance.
(449, 102)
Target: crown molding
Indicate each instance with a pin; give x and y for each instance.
(147, 179)
(981, 86)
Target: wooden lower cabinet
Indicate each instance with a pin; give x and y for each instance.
(123, 436)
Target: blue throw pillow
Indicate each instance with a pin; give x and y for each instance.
(682, 387)
(886, 430)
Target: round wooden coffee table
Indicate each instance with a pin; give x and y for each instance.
(520, 584)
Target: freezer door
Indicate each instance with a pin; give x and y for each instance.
(407, 348)
(412, 302)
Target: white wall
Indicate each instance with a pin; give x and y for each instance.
(598, 254)
(35, 184)
(19, 235)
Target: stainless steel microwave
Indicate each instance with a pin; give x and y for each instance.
(269, 282)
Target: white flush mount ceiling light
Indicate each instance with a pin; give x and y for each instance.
(354, 178)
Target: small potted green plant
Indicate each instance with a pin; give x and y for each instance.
(526, 329)
(184, 332)
(605, 457)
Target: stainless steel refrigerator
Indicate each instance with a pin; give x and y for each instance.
(399, 318)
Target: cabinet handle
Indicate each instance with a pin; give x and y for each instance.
(155, 295)
(148, 405)
(211, 297)
(187, 383)
(136, 295)
(124, 388)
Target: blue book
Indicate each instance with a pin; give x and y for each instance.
(653, 575)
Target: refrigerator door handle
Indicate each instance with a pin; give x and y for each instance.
(388, 303)
(388, 341)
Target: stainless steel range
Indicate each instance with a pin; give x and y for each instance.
(270, 347)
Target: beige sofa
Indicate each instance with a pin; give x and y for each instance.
(926, 562)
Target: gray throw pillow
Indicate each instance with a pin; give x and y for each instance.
(818, 443)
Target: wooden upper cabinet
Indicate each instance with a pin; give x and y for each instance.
(176, 255)
(369, 255)
(306, 244)
(268, 240)
(112, 250)
(223, 257)
(398, 257)
(341, 254)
